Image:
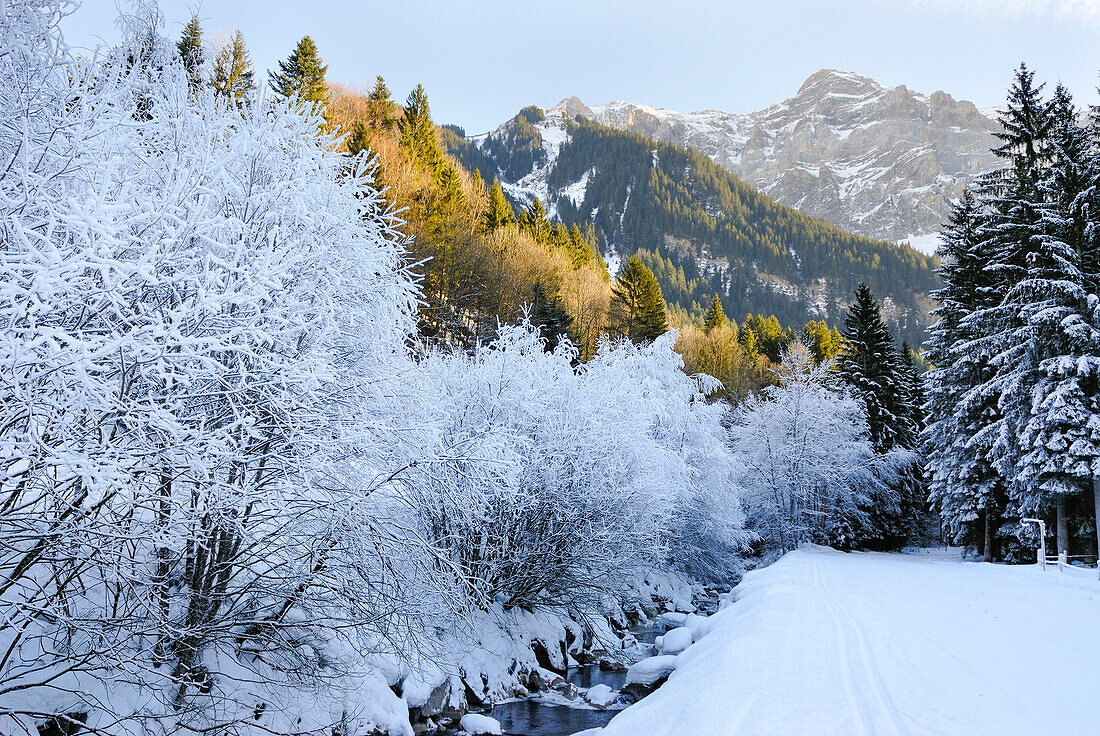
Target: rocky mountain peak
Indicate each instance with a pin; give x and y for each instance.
(831, 81)
(880, 161)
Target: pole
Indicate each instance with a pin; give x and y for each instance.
(1042, 540)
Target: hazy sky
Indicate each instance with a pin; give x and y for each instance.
(481, 61)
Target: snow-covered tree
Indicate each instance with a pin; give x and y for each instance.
(965, 488)
(1054, 415)
(810, 472)
(549, 485)
(199, 307)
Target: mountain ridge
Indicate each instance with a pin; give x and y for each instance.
(884, 162)
(718, 233)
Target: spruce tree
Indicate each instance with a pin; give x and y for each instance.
(380, 106)
(1056, 411)
(998, 331)
(714, 317)
(580, 249)
(191, 52)
(233, 78)
(302, 75)
(418, 131)
(534, 221)
(499, 212)
(637, 303)
(870, 364)
(548, 314)
(359, 139)
(964, 486)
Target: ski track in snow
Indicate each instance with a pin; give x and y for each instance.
(869, 644)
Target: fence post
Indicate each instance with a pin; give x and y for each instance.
(1042, 541)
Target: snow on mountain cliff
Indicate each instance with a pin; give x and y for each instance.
(876, 160)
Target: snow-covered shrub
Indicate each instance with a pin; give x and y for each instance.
(809, 472)
(198, 307)
(225, 486)
(549, 485)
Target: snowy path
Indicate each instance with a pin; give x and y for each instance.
(898, 645)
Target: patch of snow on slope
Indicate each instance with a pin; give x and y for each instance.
(927, 243)
(536, 183)
(575, 192)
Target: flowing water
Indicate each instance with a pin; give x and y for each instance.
(534, 718)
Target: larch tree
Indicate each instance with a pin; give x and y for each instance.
(233, 78)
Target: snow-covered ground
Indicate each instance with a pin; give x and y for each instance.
(865, 644)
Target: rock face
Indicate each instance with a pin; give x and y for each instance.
(875, 160)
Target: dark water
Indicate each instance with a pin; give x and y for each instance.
(646, 634)
(528, 718)
(586, 677)
(532, 718)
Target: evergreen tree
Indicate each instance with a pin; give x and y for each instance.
(997, 333)
(550, 317)
(418, 131)
(534, 221)
(1054, 409)
(233, 78)
(359, 139)
(581, 249)
(870, 364)
(302, 75)
(911, 389)
(714, 317)
(823, 341)
(638, 304)
(380, 106)
(191, 52)
(499, 212)
(964, 486)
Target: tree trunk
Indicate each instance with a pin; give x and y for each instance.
(1063, 524)
(1096, 502)
(988, 535)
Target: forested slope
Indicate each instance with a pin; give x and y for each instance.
(729, 238)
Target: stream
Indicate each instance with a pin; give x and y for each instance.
(534, 718)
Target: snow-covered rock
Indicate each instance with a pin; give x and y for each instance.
(600, 695)
(675, 641)
(672, 619)
(651, 670)
(475, 723)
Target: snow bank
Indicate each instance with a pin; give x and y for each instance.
(868, 643)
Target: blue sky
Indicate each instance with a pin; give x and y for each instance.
(481, 61)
